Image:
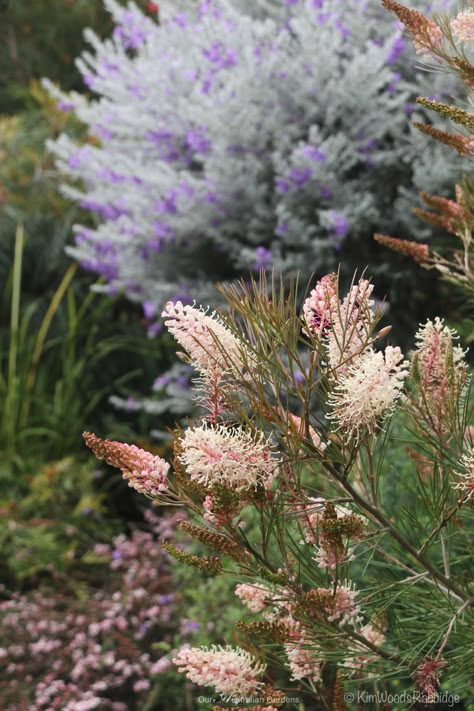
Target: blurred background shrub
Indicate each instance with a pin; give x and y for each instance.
(221, 142)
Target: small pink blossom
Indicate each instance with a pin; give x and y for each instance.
(426, 678)
(362, 656)
(321, 306)
(439, 366)
(229, 456)
(298, 424)
(344, 608)
(229, 670)
(256, 596)
(146, 473)
(463, 26)
(429, 34)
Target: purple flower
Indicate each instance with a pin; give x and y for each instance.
(221, 56)
(301, 176)
(263, 258)
(282, 228)
(396, 50)
(64, 106)
(340, 224)
(161, 382)
(197, 141)
(149, 309)
(163, 231)
(282, 186)
(314, 153)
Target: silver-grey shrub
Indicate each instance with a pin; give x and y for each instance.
(230, 140)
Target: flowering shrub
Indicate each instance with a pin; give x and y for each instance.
(95, 652)
(227, 139)
(336, 548)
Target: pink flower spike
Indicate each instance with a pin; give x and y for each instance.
(256, 597)
(146, 473)
(229, 456)
(321, 306)
(231, 671)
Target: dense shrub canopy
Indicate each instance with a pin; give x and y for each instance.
(224, 142)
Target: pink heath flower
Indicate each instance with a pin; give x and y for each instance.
(367, 394)
(256, 597)
(146, 473)
(229, 456)
(466, 477)
(463, 26)
(231, 671)
(214, 351)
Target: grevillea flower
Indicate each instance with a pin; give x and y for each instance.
(426, 677)
(439, 367)
(368, 392)
(321, 306)
(463, 26)
(299, 425)
(437, 360)
(301, 660)
(214, 351)
(351, 328)
(344, 327)
(229, 456)
(360, 655)
(342, 607)
(424, 31)
(256, 596)
(229, 670)
(466, 477)
(145, 472)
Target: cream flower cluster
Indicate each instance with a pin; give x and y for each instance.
(466, 477)
(368, 392)
(228, 456)
(256, 597)
(229, 670)
(463, 26)
(214, 351)
(301, 660)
